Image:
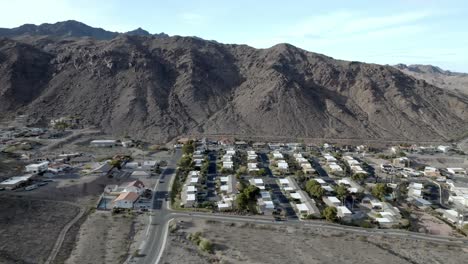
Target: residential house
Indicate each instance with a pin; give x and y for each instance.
(265, 204)
(444, 149)
(252, 167)
(344, 213)
(258, 183)
(15, 182)
(415, 190)
(457, 171)
(306, 206)
(431, 172)
(37, 168)
(126, 200)
(307, 168)
(103, 143)
(329, 158)
(353, 187)
(331, 201)
(401, 162)
(283, 165)
(277, 155)
(335, 167)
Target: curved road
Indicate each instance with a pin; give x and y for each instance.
(151, 249)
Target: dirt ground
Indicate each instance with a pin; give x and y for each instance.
(247, 243)
(103, 238)
(29, 228)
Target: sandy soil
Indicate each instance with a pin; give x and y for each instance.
(29, 228)
(245, 243)
(102, 238)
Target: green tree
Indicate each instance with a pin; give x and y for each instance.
(241, 170)
(261, 172)
(61, 126)
(186, 162)
(188, 147)
(330, 213)
(380, 190)
(205, 245)
(242, 201)
(317, 191)
(360, 177)
(341, 191)
(251, 192)
(116, 163)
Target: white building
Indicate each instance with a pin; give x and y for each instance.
(283, 165)
(103, 143)
(277, 155)
(335, 167)
(329, 158)
(258, 183)
(456, 171)
(37, 168)
(331, 201)
(444, 149)
(344, 213)
(252, 167)
(126, 200)
(15, 182)
(228, 165)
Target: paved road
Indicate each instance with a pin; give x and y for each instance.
(154, 243)
(156, 231)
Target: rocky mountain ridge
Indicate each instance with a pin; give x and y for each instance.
(160, 88)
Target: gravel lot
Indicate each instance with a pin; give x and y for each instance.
(246, 243)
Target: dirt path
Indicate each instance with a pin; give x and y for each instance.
(61, 237)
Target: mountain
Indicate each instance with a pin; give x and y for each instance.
(454, 81)
(160, 88)
(68, 28)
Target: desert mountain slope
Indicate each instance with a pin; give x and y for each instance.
(454, 81)
(160, 88)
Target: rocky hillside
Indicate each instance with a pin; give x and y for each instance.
(159, 88)
(68, 28)
(454, 81)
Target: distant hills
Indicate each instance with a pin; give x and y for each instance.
(69, 28)
(159, 88)
(434, 75)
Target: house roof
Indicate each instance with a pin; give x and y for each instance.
(136, 183)
(127, 196)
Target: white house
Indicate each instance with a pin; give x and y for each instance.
(103, 143)
(283, 165)
(331, 201)
(335, 167)
(444, 149)
(252, 166)
(431, 172)
(307, 168)
(258, 183)
(125, 200)
(456, 171)
(344, 213)
(228, 165)
(277, 155)
(329, 158)
(37, 168)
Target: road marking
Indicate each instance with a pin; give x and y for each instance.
(163, 245)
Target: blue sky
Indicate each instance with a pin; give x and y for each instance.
(386, 32)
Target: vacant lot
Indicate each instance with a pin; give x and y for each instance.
(103, 238)
(246, 243)
(29, 228)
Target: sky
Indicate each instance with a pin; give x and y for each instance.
(384, 32)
